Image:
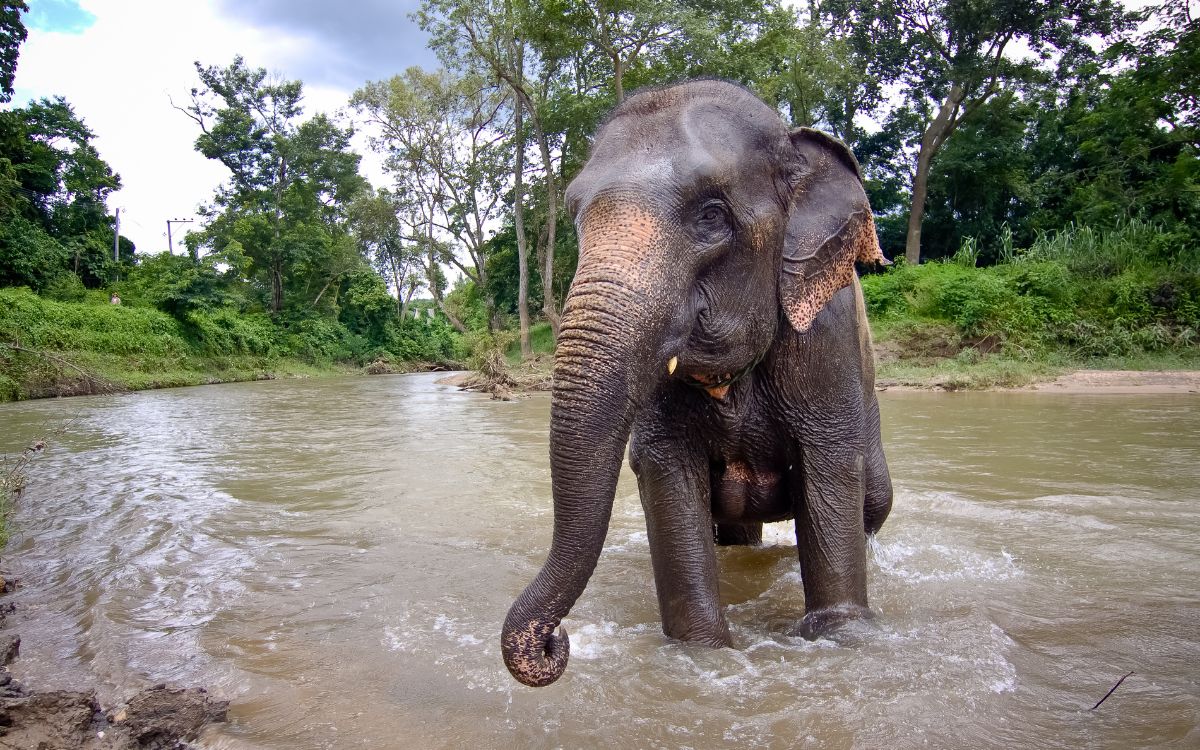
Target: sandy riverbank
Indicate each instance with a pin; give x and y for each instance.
(1115, 382)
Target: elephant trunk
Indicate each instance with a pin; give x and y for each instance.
(602, 369)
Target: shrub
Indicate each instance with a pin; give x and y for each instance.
(65, 287)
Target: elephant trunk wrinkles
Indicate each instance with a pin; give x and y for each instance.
(600, 373)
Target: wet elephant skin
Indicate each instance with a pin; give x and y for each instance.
(716, 320)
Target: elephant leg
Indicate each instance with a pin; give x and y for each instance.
(878, 502)
(674, 484)
(831, 540)
(731, 534)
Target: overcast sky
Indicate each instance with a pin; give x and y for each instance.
(119, 61)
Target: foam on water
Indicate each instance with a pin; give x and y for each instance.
(940, 562)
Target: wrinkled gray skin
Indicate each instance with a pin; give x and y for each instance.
(716, 317)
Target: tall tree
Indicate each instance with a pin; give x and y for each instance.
(493, 35)
(442, 136)
(1122, 140)
(376, 224)
(12, 34)
(621, 32)
(53, 190)
(291, 180)
(951, 56)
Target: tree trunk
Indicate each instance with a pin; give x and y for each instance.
(519, 222)
(276, 283)
(458, 324)
(549, 306)
(407, 299)
(431, 270)
(396, 281)
(932, 140)
(618, 76)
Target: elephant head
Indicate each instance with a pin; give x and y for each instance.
(705, 229)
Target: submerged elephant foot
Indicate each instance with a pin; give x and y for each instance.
(833, 622)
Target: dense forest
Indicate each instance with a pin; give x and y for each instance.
(1033, 167)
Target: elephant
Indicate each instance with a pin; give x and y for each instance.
(716, 326)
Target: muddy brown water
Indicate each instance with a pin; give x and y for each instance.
(336, 557)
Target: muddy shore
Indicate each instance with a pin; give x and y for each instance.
(1115, 382)
(157, 718)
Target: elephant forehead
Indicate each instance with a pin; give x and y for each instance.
(694, 145)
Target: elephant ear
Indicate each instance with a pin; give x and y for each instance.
(830, 226)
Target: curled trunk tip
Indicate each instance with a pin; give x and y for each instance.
(534, 654)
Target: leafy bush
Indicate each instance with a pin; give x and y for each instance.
(28, 255)
(1090, 293)
(109, 329)
(225, 332)
(66, 287)
(426, 340)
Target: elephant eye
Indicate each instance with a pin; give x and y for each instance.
(713, 220)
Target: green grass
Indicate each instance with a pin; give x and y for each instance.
(541, 340)
(50, 348)
(966, 372)
(1128, 298)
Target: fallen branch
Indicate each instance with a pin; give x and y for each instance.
(48, 355)
(96, 384)
(1110, 692)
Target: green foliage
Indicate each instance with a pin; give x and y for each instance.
(1087, 293)
(53, 188)
(467, 303)
(39, 323)
(176, 284)
(28, 255)
(291, 183)
(12, 33)
(541, 341)
(66, 287)
(225, 332)
(426, 340)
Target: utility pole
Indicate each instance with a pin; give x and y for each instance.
(117, 241)
(170, 246)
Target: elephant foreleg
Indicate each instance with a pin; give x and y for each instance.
(674, 484)
(831, 540)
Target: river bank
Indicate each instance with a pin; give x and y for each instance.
(155, 718)
(27, 374)
(535, 376)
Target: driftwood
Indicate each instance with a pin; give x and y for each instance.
(95, 383)
(1110, 692)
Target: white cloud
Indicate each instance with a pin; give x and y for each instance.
(120, 74)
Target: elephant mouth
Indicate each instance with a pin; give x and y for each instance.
(717, 386)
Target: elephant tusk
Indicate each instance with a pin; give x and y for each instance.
(672, 364)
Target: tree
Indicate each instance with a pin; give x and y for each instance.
(1122, 141)
(291, 181)
(376, 225)
(951, 56)
(443, 140)
(823, 81)
(494, 35)
(53, 190)
(622, 32)
(12, 34)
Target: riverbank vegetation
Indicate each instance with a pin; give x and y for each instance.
(1043, 205)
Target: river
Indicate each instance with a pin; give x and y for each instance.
(336, 556)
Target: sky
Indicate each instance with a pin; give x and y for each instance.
(119, 63)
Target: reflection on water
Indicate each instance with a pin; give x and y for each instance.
(336, 557)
